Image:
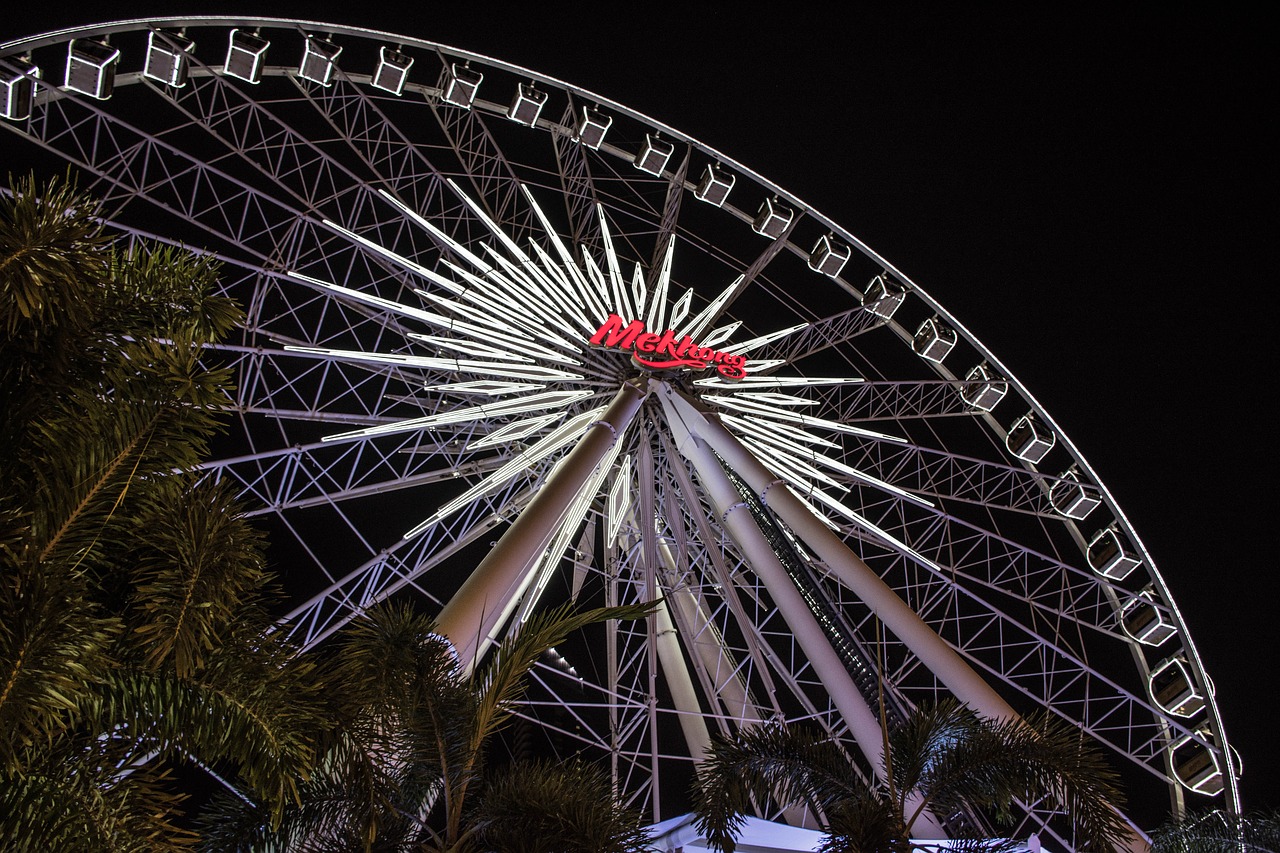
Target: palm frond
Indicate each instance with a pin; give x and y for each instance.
(197, 568)
(71, 797)
(544, 807)
(794, 765)
(1219, 831)
(53, 646)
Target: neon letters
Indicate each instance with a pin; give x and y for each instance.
(664, 351)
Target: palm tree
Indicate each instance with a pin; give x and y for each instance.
(133, 596)
(1219, 832)
(550, 807)
(403, 768)
(943, 758)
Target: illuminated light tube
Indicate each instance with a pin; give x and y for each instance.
(756, 343)
(620, 295)
(557, 439)
(513, 431)
(776, 381)
(456, 247)
(483, 368)
(639, 292)
(723, 333)
(485, 387)
(527, 280)
(761, 432)
(394, 257)
(471, 348)
(497, 336)
(567, 262)
(680, 310)
(795, 417)
(707, 315)
(507, 299)
(776, 399)
(438, 320)
(783, 430)
(532, 403)
(619, 500)
(807, 473)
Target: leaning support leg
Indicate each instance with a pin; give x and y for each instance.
(473, 612)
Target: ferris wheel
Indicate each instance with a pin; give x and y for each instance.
(509, 343)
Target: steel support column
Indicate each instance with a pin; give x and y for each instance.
(475, 609)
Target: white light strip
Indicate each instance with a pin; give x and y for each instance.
(797, 467)
(483, 368)
(513, 431)
(681, 309)
(619, 500)
(801, 489)
(783, 431)
(530, 281)
(566, 258)
(896, 543)
(662, 287)
(639, 291)
(715, 336)
(763, 364)
(499, 336)
(499, 294)
(512, 406)
(565, 290)
(485, 387)
(395, 257)
(699, 324)
(617, 285)
(568, 432)
(601, 287)
(471, 348)
(457, 248)
(765, 432)
(797, 418)
(773, 381)
(369, 298)
(569, 525)
(770, 398)
(756, 343)
(484, 217)
(501, 314)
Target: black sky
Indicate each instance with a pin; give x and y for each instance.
(1088, 195)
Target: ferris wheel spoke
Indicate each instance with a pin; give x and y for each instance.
(576, 187)
(323, 473)
(131, 164)
(400, 565)
(823, 334)
(486, 167)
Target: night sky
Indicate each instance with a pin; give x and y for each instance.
(1087, 195)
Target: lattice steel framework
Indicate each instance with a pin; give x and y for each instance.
(299, 186)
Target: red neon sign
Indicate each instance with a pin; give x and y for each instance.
(664, 351)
